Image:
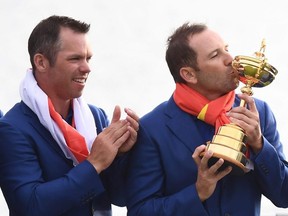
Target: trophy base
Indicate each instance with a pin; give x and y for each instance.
(238, 168)
(229, 145)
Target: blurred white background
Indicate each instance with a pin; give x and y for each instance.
(129, 42)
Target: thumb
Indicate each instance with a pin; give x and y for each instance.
(116, 114)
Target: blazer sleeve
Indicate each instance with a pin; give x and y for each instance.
(117, 170)
(270, 164)
(24, 186)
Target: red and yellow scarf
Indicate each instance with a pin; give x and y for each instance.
(212, 112)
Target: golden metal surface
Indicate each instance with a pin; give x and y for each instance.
(230, 141)
(233, 131)
(228, 153)
(237, 145)
(254, 71)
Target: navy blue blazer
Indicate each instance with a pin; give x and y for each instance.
(37, 179)
(162, 173)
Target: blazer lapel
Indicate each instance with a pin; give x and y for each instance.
(41, 130)
(183, 126)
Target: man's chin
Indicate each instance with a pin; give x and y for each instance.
(236, 81)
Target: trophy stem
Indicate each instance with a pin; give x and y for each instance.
(247, 89)
(242, 103)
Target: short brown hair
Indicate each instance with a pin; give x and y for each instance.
(179, 54)
(44, 38)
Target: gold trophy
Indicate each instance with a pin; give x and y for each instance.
(230, 141)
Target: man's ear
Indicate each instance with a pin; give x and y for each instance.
(188, 74)
(41, 62)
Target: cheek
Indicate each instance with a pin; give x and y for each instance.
(60, 80)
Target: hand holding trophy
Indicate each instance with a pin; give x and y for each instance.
(229, 142)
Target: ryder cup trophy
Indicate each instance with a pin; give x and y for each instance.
(230, 141)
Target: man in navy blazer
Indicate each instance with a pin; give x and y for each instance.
(169, 172)
(59, 155)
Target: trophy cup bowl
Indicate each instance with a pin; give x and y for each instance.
(255, 72)
(229, 142)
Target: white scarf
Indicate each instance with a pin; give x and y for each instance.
(37, 101)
